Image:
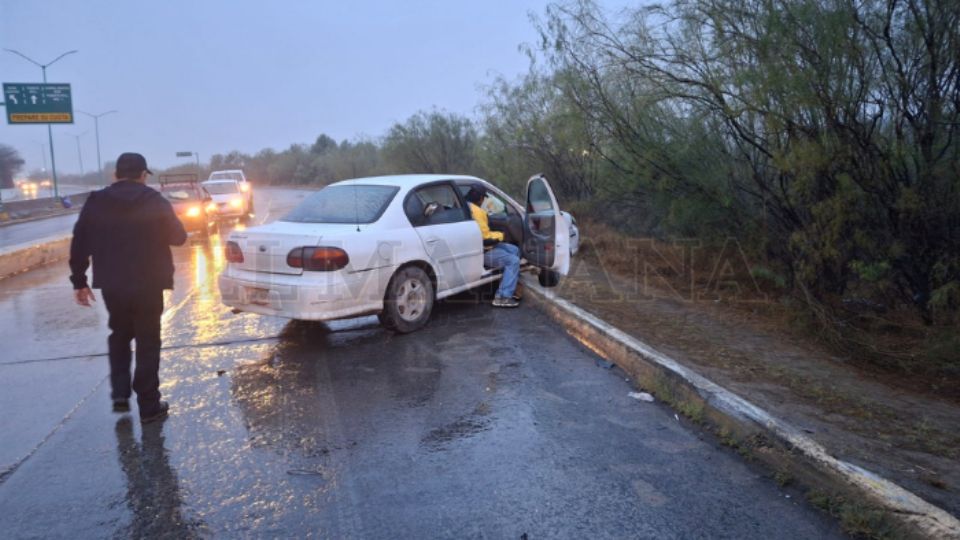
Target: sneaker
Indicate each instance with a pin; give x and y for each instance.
(506, 302)
(160, 414)
(121, 405)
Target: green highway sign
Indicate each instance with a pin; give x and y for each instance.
(38, 103)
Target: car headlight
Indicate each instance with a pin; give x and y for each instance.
(193, 211)
(236, 202)
(212, 207)
(244, 187)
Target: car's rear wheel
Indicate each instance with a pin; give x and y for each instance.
(548, 278)
(408, 302)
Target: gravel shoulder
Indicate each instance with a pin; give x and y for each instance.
(907, 437)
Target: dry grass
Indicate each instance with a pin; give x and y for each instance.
(890, 344)
(670, 292)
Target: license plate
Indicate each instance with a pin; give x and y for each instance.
(260, 297)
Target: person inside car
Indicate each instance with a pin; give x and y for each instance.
(497, 253)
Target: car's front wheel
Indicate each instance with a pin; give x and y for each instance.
(408, 301)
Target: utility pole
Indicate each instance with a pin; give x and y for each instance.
(79, 153)
(43, 154)
(194, 154)
(43, 68)
(96, 129)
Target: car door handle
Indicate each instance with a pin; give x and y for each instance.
(432, 240)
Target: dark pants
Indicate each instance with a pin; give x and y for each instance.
(135, 315)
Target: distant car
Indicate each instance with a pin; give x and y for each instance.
(193, 205)
(232, 202)
(246, 188)
(389, 246)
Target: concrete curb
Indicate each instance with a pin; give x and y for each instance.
(9, 222)
(685, 388)
(23, 257)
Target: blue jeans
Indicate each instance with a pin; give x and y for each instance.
(506, 256)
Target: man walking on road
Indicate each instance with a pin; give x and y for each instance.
(128, 229)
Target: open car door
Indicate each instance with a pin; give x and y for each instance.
(546, 238)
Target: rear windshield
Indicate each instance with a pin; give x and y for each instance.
(219, 188)
(344, 204)
(181, 195)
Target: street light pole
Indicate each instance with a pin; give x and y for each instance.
(79, 153)
(43, 154)
(43, 68)
(196, 155)
(96, 129)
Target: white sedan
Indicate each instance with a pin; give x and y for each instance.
(389, 245)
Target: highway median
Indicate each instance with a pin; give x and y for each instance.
(23, 257)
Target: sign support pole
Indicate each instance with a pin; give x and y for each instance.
(53, 160)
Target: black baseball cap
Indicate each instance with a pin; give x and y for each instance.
(131, 165)
(476, 194)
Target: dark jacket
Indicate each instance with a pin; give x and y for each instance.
(128, 229)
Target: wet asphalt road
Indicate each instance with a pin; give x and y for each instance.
(20, 233)
(487, 424)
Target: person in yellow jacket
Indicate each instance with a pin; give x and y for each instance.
(497, 253)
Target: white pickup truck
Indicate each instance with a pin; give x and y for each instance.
(232, 193)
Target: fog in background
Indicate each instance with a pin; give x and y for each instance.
(211, 77)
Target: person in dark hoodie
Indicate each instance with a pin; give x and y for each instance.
(127, 229)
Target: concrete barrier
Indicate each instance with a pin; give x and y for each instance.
(742, 424)
(26, 210)
(23, 257)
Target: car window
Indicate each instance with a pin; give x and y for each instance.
(344, 204)
(492, 203)
(220, 188)
(226, 176)
(449, 209)
(538, 197)
(177, 195)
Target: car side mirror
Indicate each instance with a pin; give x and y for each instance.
(431, 209)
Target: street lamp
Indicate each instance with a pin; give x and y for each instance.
(43, 154)
(43, 68)
(194, 154)
(79, 153)
(96, 129)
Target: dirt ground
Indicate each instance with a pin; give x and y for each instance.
(729, 330)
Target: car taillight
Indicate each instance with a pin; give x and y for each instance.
(318, 259)
(233, 252)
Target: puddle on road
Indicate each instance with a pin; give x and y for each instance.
(464, 427)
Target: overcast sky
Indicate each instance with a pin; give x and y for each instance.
(213, 76)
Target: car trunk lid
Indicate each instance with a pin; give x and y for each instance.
(265, 248)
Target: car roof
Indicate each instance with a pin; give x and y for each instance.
(221, 181)
(404, 181)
